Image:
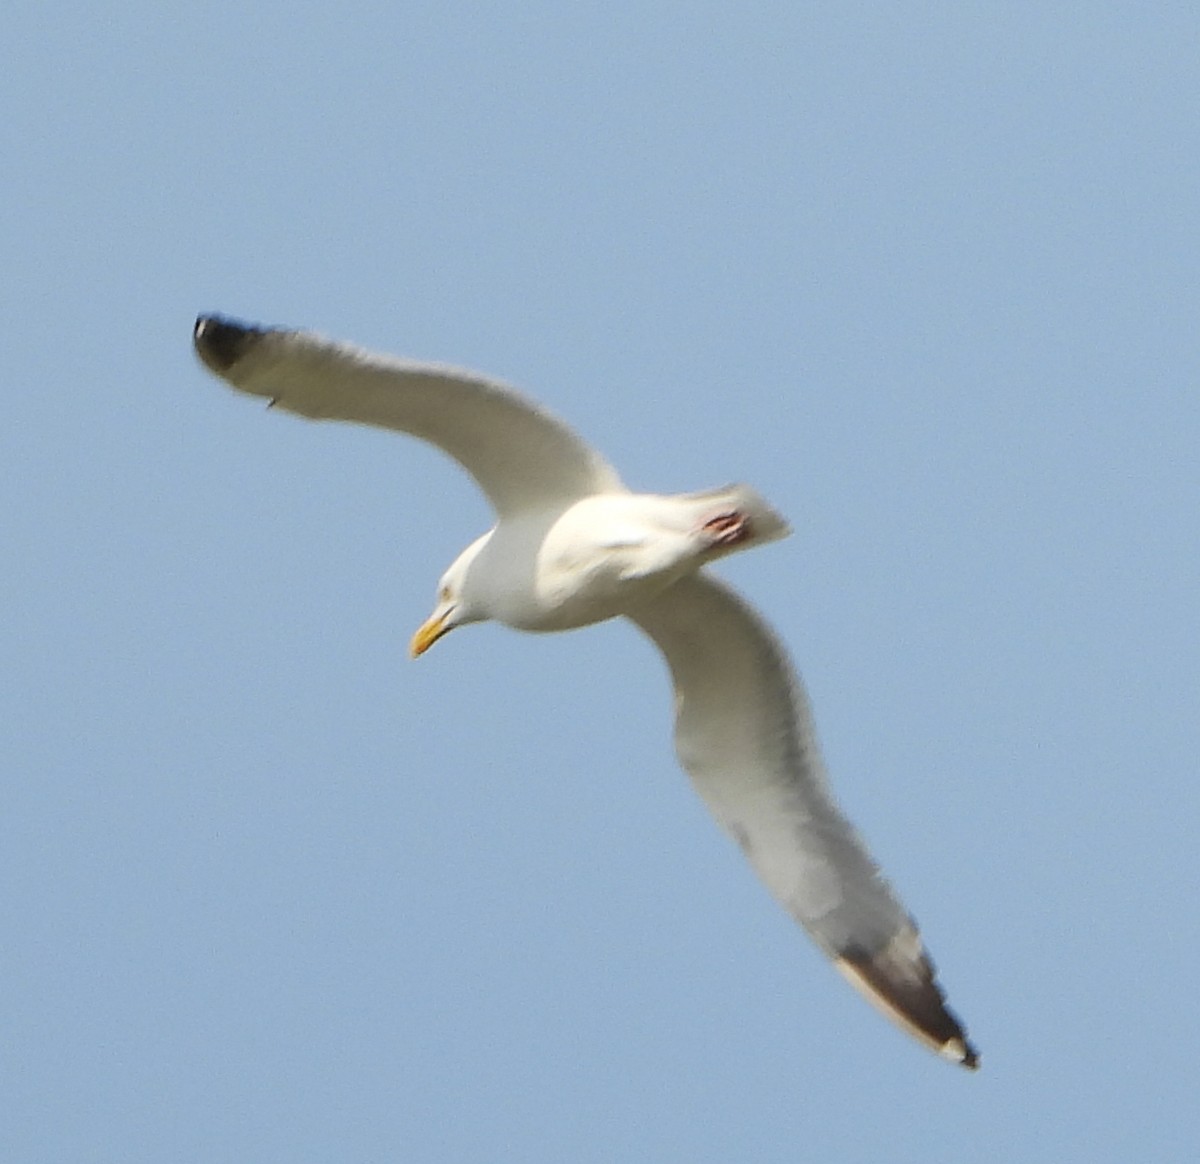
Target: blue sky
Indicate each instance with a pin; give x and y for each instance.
(925, 274)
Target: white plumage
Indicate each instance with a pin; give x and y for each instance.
(571, 546)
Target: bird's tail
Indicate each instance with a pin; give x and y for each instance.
(765, 522)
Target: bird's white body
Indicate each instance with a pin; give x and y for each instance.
(572, 546)
(606, 553)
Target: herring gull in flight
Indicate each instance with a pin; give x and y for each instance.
(573, 546)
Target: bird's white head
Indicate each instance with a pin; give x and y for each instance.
(457, 602)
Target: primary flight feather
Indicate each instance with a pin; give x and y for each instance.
(572, 546)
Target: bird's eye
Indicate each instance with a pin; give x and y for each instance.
(444, 594)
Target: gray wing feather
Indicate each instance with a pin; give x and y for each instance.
(744, 733)
(522, 456)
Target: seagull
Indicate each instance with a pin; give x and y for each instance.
(573, 546)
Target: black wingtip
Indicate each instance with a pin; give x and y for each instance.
(901, 981)
(222, 342)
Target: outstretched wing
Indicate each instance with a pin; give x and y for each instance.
(744, 733)
(522, 456)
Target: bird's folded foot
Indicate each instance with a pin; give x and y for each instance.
(729, 528)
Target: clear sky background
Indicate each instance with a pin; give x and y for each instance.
(925, 274)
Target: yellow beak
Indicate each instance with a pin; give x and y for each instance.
(429, 632)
